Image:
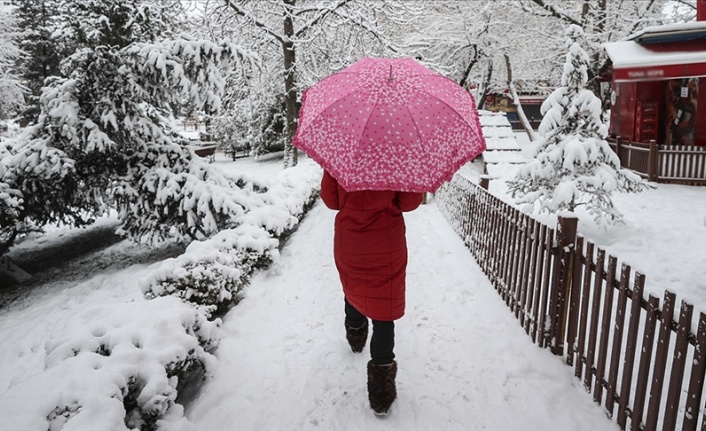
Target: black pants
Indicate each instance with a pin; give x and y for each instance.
(382, 343)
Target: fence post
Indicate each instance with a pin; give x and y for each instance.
(619, 150)
(560, 290)
(652, 161)
(484, 181)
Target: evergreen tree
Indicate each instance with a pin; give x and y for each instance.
(102, 138)
(93, 23)
(103, 141)
(11, 90)
(55, 29)
(38, 20)
(574, 165)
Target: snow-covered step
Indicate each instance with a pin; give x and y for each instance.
(503, 157)
(498, 132)
(493, 143)
(501, 145)
(488, 118)
(501, 170)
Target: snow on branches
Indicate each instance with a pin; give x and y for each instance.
(103, 140)
(574, 165)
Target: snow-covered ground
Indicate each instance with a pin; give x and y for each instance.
(283, 362)
(663, 235)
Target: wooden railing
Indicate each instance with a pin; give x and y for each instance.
(662, 163)
(644, 366)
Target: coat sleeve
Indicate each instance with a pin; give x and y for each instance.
(329, 191)
(408, 201)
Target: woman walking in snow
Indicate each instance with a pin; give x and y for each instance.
(370, 251)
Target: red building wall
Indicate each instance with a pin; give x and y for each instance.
(622, 110)
(701, 110)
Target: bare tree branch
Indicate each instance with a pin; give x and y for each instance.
(322, 14)
(557, 13)
(281, 39)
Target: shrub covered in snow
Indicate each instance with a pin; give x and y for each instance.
(211, 274)
(121, 366)
(116, 366)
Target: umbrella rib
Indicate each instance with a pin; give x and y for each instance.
(365, 126)
(421, 90)
(414, 123)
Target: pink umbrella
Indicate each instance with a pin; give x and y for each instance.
(389, 124)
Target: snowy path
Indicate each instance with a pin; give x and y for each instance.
(464, 361)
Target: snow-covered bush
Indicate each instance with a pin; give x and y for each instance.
(212, 274)
(121, 366)
(117, 367)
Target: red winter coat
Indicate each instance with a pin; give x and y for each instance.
(370, 248)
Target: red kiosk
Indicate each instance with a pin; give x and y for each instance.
(656, 75)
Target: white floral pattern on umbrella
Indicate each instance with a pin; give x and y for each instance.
(389, 124)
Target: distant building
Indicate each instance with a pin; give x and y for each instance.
(531, 95)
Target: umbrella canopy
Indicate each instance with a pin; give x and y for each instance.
(389, 124)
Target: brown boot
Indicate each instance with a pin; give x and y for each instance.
(357, 337)
(381, 387)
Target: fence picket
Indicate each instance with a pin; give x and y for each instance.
(498, 249)
(696, 380)
(507, 255)
(574, 298)
(586, 261)
(617, 339)
(595, 310)
(548, 242)
(511, 264)
(678, 363)
(660, 366)
(631, 343)
(645, 361)
(605, 329)
(524, 261)
(538, 282)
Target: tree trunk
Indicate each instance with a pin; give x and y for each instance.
(521, 113)
(290, 87)
(516, 100)
(472, 63)
(486, 83)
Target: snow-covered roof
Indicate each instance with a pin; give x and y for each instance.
(630, 54)
(682, 29)
(633, 60)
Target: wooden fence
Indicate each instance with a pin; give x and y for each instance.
(662, 163)
(638, 358)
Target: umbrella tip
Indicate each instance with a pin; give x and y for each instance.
(390, 78)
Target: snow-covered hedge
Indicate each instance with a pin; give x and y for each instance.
(212, 273)
(115, 367)
(121, 365)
